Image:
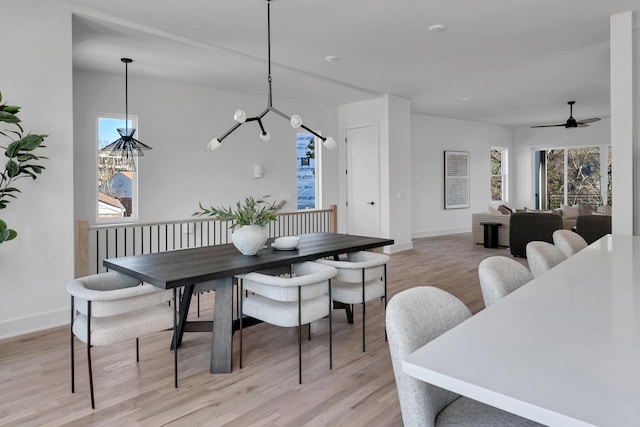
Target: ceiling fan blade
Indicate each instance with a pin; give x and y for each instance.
(591, 120)
(548, 126)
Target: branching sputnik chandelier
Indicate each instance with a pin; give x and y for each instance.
(241, 117)
(126, 147)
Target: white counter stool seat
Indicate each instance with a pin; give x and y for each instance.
(297, 299)
(415, 317)
(362, 277)
(542, 257)
(108, 308)
(569, 242)
(499, 276)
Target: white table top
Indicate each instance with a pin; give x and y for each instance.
(563, 350)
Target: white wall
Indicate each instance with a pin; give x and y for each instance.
(622, 116)
(36, 74)
(399, 191)
(430, 137)
(177, 121)
(526, 140)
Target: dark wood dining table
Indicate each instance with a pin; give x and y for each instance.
(220, 263)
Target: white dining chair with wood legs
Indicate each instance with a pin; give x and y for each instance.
(108, 308)
(297, 299)
(362, 277)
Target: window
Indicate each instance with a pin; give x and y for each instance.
(116, 195)
(573, 176)
(306, 171)
(498, 165)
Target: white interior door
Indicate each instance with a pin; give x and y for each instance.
(363, 181)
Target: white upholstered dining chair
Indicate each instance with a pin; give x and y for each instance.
(542, 257)
(297, 299)
(415, 317)
(499, 276)
(108, 308)
(362, 277)
(569, 242)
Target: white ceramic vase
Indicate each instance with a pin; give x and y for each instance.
(249, 239)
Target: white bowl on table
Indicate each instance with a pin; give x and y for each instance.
(286, 243)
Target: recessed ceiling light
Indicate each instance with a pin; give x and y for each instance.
(331, 58)
(465, 98)
(437, 28)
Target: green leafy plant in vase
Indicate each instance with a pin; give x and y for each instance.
(249, 220)
(21, 161)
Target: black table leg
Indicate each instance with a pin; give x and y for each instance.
(221, 345)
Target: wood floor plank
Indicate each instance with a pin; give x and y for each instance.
(360, 390)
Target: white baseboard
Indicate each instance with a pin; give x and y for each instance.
(398, 247)
(443, 232)
(25, 325)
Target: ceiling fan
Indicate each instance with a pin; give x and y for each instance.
(571, 122)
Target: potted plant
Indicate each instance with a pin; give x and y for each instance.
(20, 161)
(249, 221)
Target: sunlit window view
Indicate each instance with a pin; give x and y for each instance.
(306, 171)
(498, 171)
(116, 187)
(574, 176)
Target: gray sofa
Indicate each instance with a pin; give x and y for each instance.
(525, 227)
(593, 227)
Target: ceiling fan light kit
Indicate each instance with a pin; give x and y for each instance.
(571, 122)
(240, 116)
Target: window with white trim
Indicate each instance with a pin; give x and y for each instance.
(117, 190)
(498, 166)
(307, 177)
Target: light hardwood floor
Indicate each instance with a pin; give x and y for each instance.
(359, 391)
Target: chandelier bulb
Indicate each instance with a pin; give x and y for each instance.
(296, 121)
(240, 116)
(265, 136)
(214, 144)
(330, 143)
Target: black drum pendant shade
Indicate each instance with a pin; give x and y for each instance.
(124, 149)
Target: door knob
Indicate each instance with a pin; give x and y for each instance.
(371, 203)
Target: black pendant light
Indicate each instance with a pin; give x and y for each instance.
(124, 149)
(241, 117)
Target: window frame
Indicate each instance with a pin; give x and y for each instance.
(133, 120)
(504, 169)
(317, 150)
(605, 183)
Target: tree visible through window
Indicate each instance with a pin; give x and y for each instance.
(574, 176)
(306, 170)
(116, 195)
(498, 167)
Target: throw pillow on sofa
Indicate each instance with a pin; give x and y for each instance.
(570, 212)
(505, 210)
(493, 211)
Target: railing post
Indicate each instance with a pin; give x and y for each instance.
(333, 219)
(82, 248)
